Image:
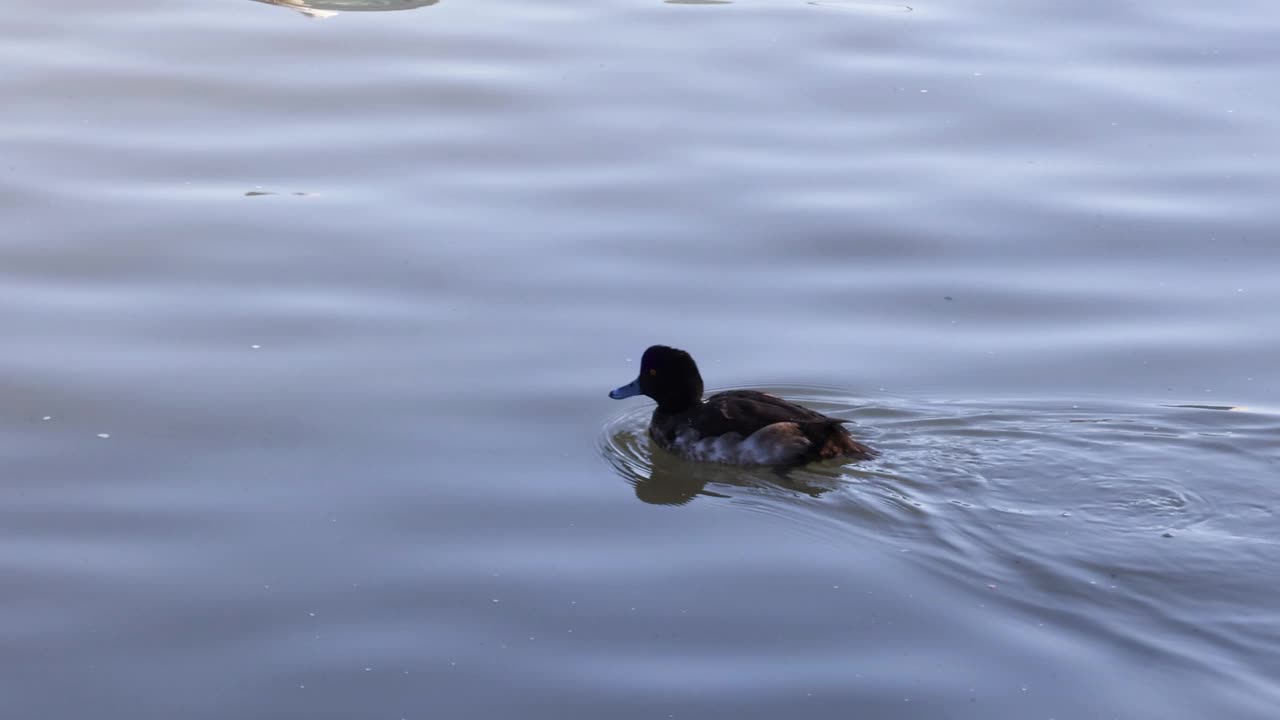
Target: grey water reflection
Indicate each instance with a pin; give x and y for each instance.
(329, 8)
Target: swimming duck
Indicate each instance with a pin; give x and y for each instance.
(741, 427)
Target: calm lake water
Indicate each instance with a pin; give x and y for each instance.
(310, 323)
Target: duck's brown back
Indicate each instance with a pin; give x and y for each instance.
(799, 433)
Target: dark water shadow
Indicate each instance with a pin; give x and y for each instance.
(674, 481)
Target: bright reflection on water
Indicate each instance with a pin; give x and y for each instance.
(308, 329)
(329, 8)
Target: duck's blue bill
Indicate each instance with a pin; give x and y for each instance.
(630, 389)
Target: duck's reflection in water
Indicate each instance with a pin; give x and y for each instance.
(673, 481)
(329, 8)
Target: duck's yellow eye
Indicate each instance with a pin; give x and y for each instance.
(653, 371)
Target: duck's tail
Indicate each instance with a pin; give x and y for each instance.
(830, 440)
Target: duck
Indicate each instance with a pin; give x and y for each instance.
(736, 427)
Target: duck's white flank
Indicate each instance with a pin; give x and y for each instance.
(770, 445)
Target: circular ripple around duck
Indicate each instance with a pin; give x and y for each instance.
(624, 441)
(1144, 503)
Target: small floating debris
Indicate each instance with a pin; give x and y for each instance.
(47, 418)
(1167, 533)
(104, 436)
(1194, 406)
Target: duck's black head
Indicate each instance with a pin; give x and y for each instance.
(667, 375)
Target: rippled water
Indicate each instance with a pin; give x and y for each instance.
(1065, 516)
(311, 313)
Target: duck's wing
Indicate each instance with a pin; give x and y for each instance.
(746, 411)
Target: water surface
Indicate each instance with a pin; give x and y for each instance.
(310, 322)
